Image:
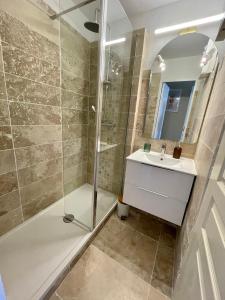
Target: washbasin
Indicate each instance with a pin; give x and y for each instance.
(166, 161)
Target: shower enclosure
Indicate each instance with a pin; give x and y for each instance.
(95, 55)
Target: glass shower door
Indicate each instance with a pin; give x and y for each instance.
(78, 37)
(114, 108)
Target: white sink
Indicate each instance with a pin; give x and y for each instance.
(184, 165)
(167, 160)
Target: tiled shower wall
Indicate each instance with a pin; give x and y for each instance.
(116, 100)
(39, 119)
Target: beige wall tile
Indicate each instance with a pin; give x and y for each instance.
(73, 116)
(7, 161)
(39, 171)
(14, 32)
(5, 138)
(2, 87)
(9, 202)
(25, 90)
(72, 100)
(8, 183)
(10, 220)
(29, 114)
(18, 62)
(40, 188)
(43, 201)
(33, 155)
(34, 135)
(4, 113)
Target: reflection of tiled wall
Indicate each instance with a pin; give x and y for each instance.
(35, 114)
(213, 125)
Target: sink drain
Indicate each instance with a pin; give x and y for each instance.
(68, 218)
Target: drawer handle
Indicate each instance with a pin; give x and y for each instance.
(140, 188)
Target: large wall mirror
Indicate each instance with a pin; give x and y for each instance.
(181, 80)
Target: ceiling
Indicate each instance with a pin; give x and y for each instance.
(134, 7)
(184, 46)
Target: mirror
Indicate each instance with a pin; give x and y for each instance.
(181, 78)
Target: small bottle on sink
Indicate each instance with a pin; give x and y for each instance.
(177, 151)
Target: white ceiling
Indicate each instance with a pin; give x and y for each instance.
(184, 46)
(134, 7)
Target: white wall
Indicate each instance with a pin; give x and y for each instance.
(182, 69)
(178, 12)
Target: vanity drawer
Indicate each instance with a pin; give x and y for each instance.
(174, 184)
(167, 208)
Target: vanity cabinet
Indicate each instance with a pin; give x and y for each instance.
(156, 190)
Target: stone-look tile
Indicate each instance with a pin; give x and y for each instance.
(29, 156)
(9, 202)
(145, 223)
(75, 65)
(7, 161)
(75, 183)
(75, 84)
(74, 131)
(73, 147)
(5, 138)
(73, 42)
(2, 87)
(116, 238)
(168, 236)
(30, 114)
(8, 183)
(25, 90)
(72, 116)
(1, 60)
(76, 171)
(43, 200)
(4, 113)
(18, 62)
(72, 100)
(156, 295)
(34, 135)
(19, 35)
(40, 171)
(10, 220)
(96, 276)
(162, 277)
(73, 160)
(41, 189)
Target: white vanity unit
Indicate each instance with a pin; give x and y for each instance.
(160, 187)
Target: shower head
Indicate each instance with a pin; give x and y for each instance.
(92, 26)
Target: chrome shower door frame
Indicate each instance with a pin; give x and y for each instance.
(101, 77)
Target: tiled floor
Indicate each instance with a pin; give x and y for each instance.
(128, 260)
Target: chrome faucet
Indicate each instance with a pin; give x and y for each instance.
(163, 152)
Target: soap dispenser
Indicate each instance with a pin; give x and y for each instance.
(177, 151)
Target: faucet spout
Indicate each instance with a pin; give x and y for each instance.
(163, 152)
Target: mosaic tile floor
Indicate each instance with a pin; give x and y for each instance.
(128, 260)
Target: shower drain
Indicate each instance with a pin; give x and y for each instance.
(68, 218)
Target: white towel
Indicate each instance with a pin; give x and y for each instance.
(2, 290)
